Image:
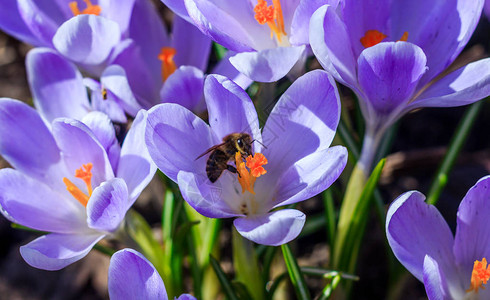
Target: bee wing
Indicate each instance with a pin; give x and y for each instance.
(209, 150)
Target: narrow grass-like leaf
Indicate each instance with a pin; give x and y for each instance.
(219, 50)
(457, 142)
(329, 288)
(330, 218)
(295, 274)
(223, 279)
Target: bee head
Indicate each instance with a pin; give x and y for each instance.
(243, 144)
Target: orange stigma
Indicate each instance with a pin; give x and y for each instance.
(86, 176)
(90, 10)
(374, 37)
(168, 65)
(272, 15)
(479, 276)
(371, 38)
(254, 163)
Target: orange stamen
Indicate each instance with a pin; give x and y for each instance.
(404, 37)
(272, 15)
(479, 276)
(86, 176)
(168, 65)
(255, 163)
(247, 178)
(372, 37)
(90, 10)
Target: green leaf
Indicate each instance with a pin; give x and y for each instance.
(223, 279)
(219, 50)
(329, 288)
(295, 274)
(457, 142)
(247, 266)
(330, 218)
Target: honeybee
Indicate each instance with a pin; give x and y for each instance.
(222, 153)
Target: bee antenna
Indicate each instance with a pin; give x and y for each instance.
(259, 143)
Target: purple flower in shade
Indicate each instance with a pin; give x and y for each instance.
(487, 8)
(164, 67)
(72, 180)
(422, 241)
(365, 49)
(297, 136)
(270, 37)
(132, 276)
(59, 90)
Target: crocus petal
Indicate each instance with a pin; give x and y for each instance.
(331, 45)
(56, 85)
(29, 151)
(225, 68)
(103, 129)
(119, 12)
(11, 22)
(267, 65)
(415, 229)
(55, 251)
(87, 39)
(304, 119)
(184, 87)
(175, 137)
(135, 165)
(463, 86)
(219, 25)
(79, 146)
(441, 41)
(30, 203)
(186, 297)
(204, 196)
(108, 205)
(192, 46)
(389, 73)
(104, 101)
(310, 175)
(230, 108)
(273, 229)
(132, 276)
(38, 22)
(435, 281)
(178, 7)
(300, 26)
(114, 80)
(471, 242)
(149, 32)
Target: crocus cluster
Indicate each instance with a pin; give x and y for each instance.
(117, 94)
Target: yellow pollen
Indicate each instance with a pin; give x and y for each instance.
(374, 37)
(84, 173)
(168, 65)
(479, 276)
(272, 15)
(104, 93)
(90, 10)
(247, 178)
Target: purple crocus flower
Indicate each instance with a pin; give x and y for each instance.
(423, 242)
(59, 90)
(164, 67)
(365, 49)
(270, 37)
(297, 136)
(67, 180)
(486, 9)
(132, 276)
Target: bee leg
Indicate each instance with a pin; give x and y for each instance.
(232, 169)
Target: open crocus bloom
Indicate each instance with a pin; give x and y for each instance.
(72, 181)
(390, 58)
(450, 267)
(132, 276)
(297, 136)
(169, 68)
(270, 37)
